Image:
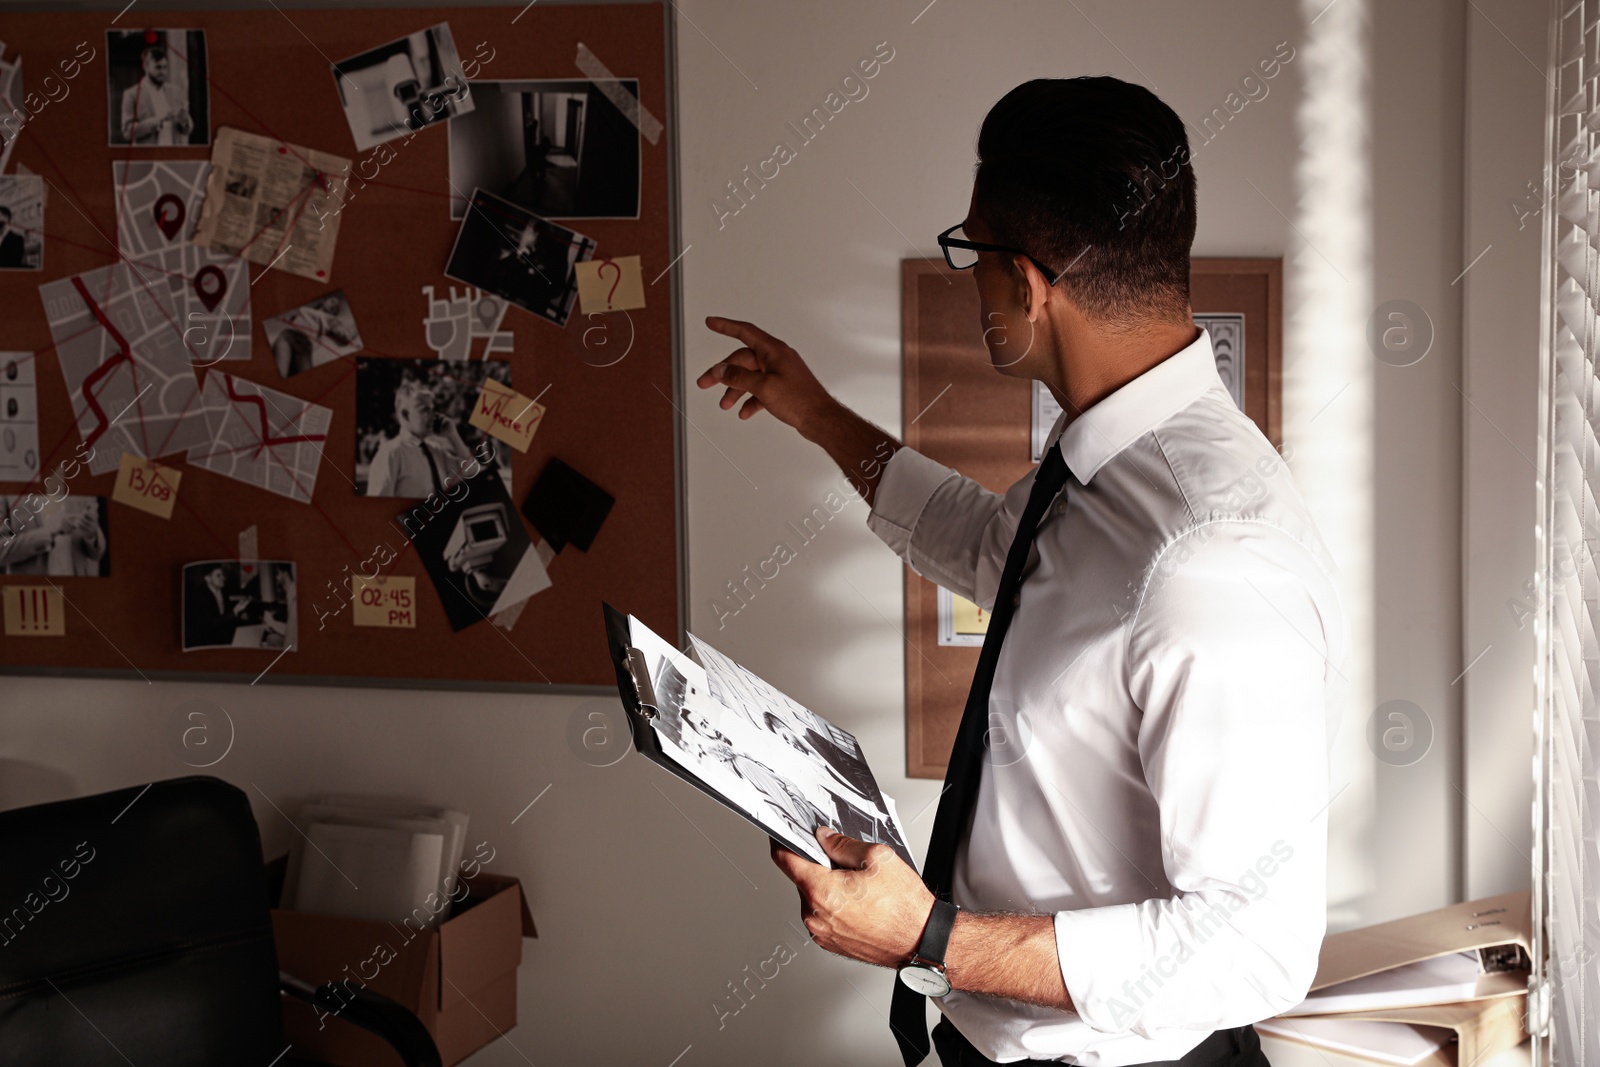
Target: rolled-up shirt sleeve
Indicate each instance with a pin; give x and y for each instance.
(950, 529)
(1229, 662)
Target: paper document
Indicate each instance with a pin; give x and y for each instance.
(774, 761)
(1400, 1044)
(1439, 980)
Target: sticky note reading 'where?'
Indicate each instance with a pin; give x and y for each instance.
(146, 485)
(503, 412)
(35, 611)
(386, 601)
(610, 284)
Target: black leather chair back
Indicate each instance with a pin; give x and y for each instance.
(135, 928)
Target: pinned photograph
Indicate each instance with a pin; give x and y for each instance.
(229, 604)
(403, 86)
(19, 417)
(157, 93)
(560, 149)
(21, 222)
(67, 537)
(509, 251)
(317, 332)
(476, 550)
(414, 435)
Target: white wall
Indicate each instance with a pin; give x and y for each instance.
(651, 899)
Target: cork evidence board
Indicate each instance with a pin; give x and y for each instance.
(464, 179)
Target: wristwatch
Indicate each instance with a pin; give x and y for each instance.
(925, 973)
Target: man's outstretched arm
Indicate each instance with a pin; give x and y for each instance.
(772, 377)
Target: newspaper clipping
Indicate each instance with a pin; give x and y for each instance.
(268, 202)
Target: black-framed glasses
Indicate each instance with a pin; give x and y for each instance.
(962, 253)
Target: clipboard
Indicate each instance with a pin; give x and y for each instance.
(639, 701)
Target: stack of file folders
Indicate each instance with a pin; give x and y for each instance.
(1442, 989)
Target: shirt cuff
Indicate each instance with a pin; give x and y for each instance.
(908, 483)
(1096, 947)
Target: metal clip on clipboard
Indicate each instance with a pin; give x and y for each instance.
(639, 674)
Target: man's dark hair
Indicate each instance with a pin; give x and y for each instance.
(155, 51)
(1092, 176)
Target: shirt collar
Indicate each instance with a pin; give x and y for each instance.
(1094, 438)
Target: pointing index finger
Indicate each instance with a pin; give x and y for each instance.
(747, 332)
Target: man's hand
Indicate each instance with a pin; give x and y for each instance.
(873, 910)
(772, 373)
(774, 378)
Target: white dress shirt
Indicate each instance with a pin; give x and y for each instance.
(1166, 696)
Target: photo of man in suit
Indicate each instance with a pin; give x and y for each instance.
(157, 95)
(150, 115)
(210, 613)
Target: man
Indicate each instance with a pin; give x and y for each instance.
(13, 249)
(1145, 878)
(426, 456)
(209, 621)
(150, 115)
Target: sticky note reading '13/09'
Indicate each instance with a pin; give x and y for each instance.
(610, 284)
(146, 485)
(386, 601)
(35, 611)
(505, 413)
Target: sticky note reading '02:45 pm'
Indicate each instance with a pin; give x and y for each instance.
(609, 284)
(386, 601)
(146, 485)
(35, 611)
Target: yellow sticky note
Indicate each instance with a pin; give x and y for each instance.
(503, 412)
(610, 284)
(146, 485)
(35, 611)
(386, 601)
(967, 618)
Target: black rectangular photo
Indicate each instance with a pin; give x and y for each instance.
(157, 93)
(561, 149)
(509, 251)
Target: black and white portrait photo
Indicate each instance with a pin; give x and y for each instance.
(21, 222)
(413, 437)
(403, 86)
(229, 604)
(64, 538)
(509, 251)
(561, 149)
(157, 95)
(317, 332)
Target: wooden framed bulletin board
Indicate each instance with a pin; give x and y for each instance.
(982, 425)
(561, 115)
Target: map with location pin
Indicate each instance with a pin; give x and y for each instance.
(158, 204)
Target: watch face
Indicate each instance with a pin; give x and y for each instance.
(925, 980)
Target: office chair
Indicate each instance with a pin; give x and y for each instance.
(135, 928)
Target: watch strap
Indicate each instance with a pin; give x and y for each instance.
(936, 934)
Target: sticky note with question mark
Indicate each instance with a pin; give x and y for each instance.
(610, 284)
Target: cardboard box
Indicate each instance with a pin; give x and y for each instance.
(460, 978)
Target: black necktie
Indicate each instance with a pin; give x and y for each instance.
(433, 468)
(907, 1012)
